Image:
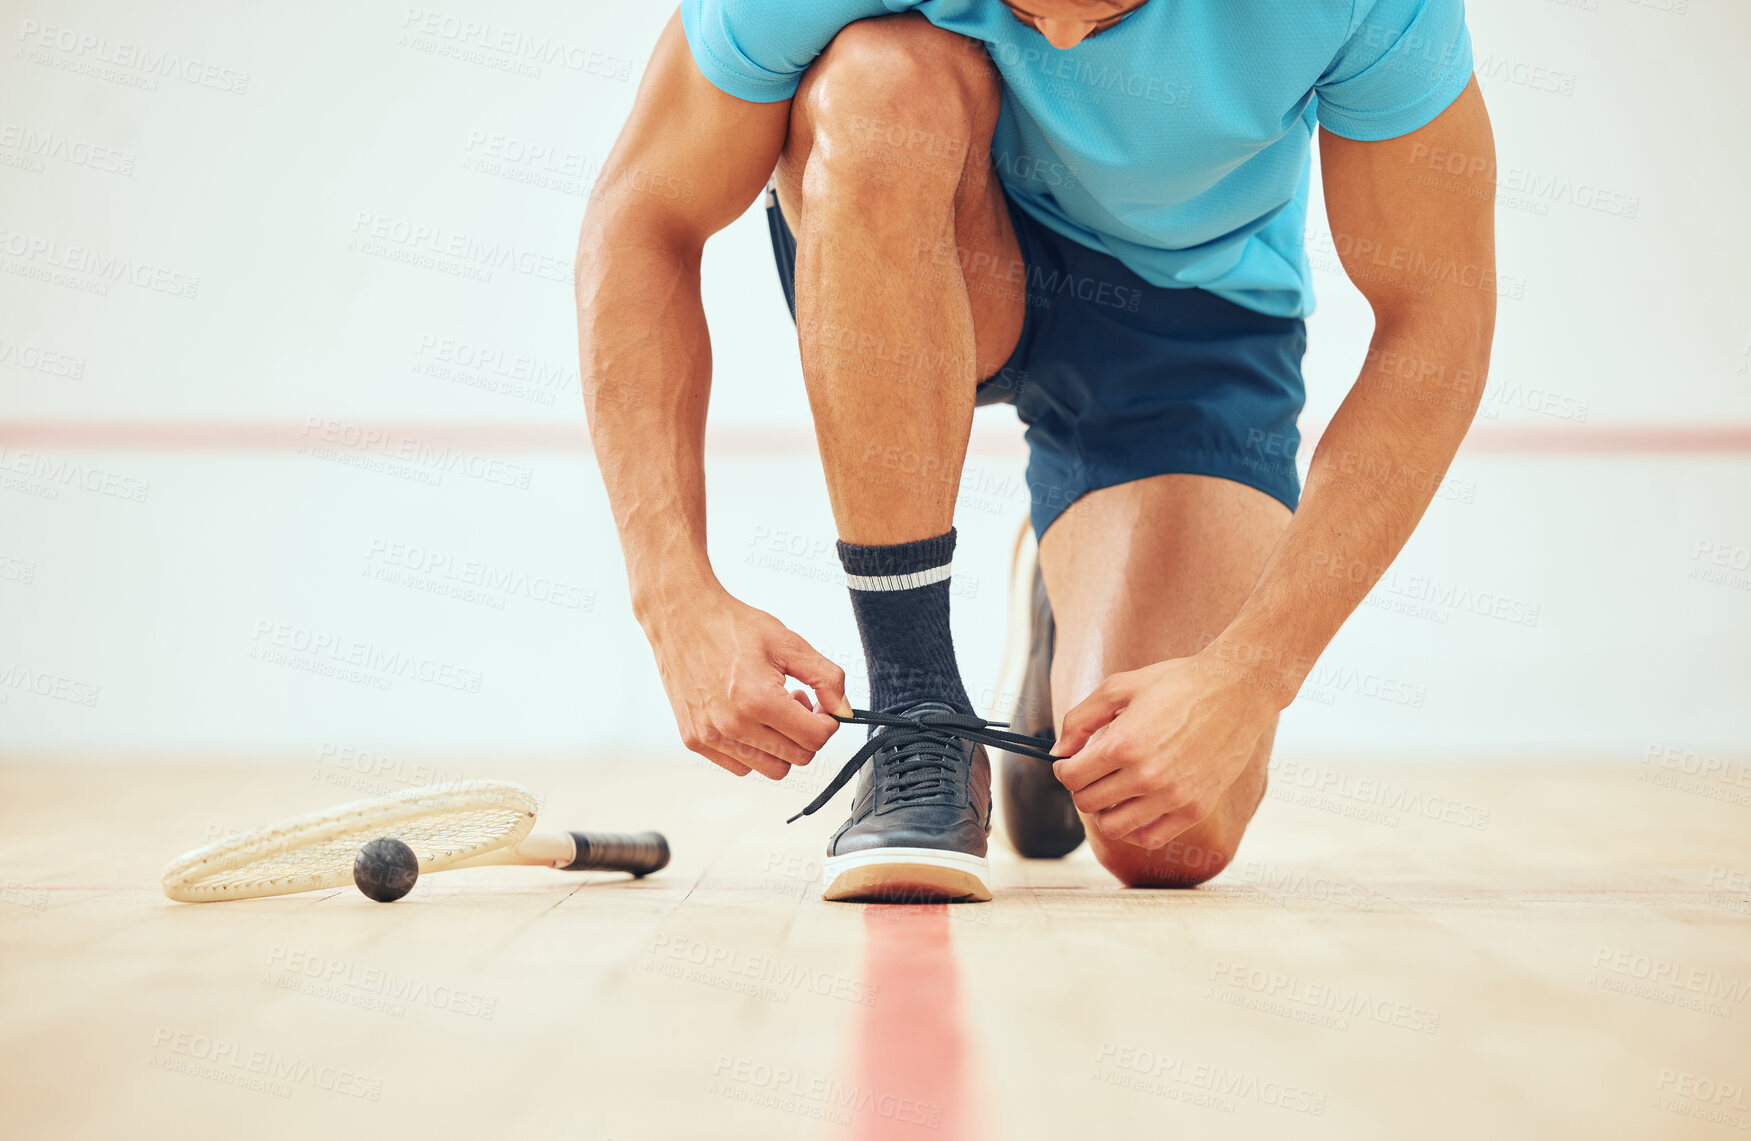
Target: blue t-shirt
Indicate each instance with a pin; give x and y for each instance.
(1177, 141)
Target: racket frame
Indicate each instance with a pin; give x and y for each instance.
(183, 877)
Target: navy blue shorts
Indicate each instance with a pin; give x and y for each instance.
(1118, 380)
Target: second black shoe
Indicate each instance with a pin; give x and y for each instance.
(1039, 817)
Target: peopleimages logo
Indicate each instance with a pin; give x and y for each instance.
(281, 643)
(353, 443)
(36, 358)
(44, 683)
(421, 242)
(45, 476)
(1025, 168)
(470, 578)
(1394, 798)
(474, 41)
(1281, 992)
(1050, 64)
(147, 64)
(1691, 986)
(268, 1071)
(1123, 1065)
(1514, 183)
(802, 1094)
(781, 975)
(41, 146)
(1044, 287)
(98, 268)
(382, 988)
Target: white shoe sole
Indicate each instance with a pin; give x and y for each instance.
(907, 875)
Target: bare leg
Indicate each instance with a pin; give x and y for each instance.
(886, 181)
(885, 178)
(1140, 573)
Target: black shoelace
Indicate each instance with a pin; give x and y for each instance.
(931, 739)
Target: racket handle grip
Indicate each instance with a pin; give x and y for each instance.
(640, 853)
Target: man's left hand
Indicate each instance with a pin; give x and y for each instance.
(1150, 752)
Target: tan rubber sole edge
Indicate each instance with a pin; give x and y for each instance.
(907, 876)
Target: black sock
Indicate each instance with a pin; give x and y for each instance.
(900, 597)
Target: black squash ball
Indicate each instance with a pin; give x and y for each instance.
(386, 869)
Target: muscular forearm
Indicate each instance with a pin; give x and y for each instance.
(645, 359)
(1425, 260)
(1374, 473)
(690, 160)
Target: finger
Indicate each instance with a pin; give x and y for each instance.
(713, 744)
(1161, 832)
(1097, 760)
(1092, 712)
(1116, 787)
(762, 762)
(764, 739)
(805, 728)
(1126, 817)
(724, 761)
(821, 674)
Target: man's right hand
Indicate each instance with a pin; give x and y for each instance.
(724, 666)
(645, 364)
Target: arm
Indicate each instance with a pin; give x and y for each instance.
(1179, 733)
(1425, 260)
(688, 162)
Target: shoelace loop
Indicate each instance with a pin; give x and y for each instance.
(931, 731)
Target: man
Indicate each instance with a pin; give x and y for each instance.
(1095, 210)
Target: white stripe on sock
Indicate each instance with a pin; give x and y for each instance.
(899, 581)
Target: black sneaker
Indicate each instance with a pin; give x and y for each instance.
(1039, 817)
(923, 807)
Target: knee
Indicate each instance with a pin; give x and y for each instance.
(1185, 861)
(899, 93)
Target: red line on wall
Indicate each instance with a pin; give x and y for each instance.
(744, 440)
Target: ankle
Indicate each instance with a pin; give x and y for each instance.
(900, 596)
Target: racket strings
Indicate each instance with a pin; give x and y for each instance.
(440, 835)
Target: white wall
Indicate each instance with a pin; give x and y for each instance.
(168, 513)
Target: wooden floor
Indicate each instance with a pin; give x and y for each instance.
(1501, 951)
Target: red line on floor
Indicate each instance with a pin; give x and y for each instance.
(912, 1059)
(744, 440)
